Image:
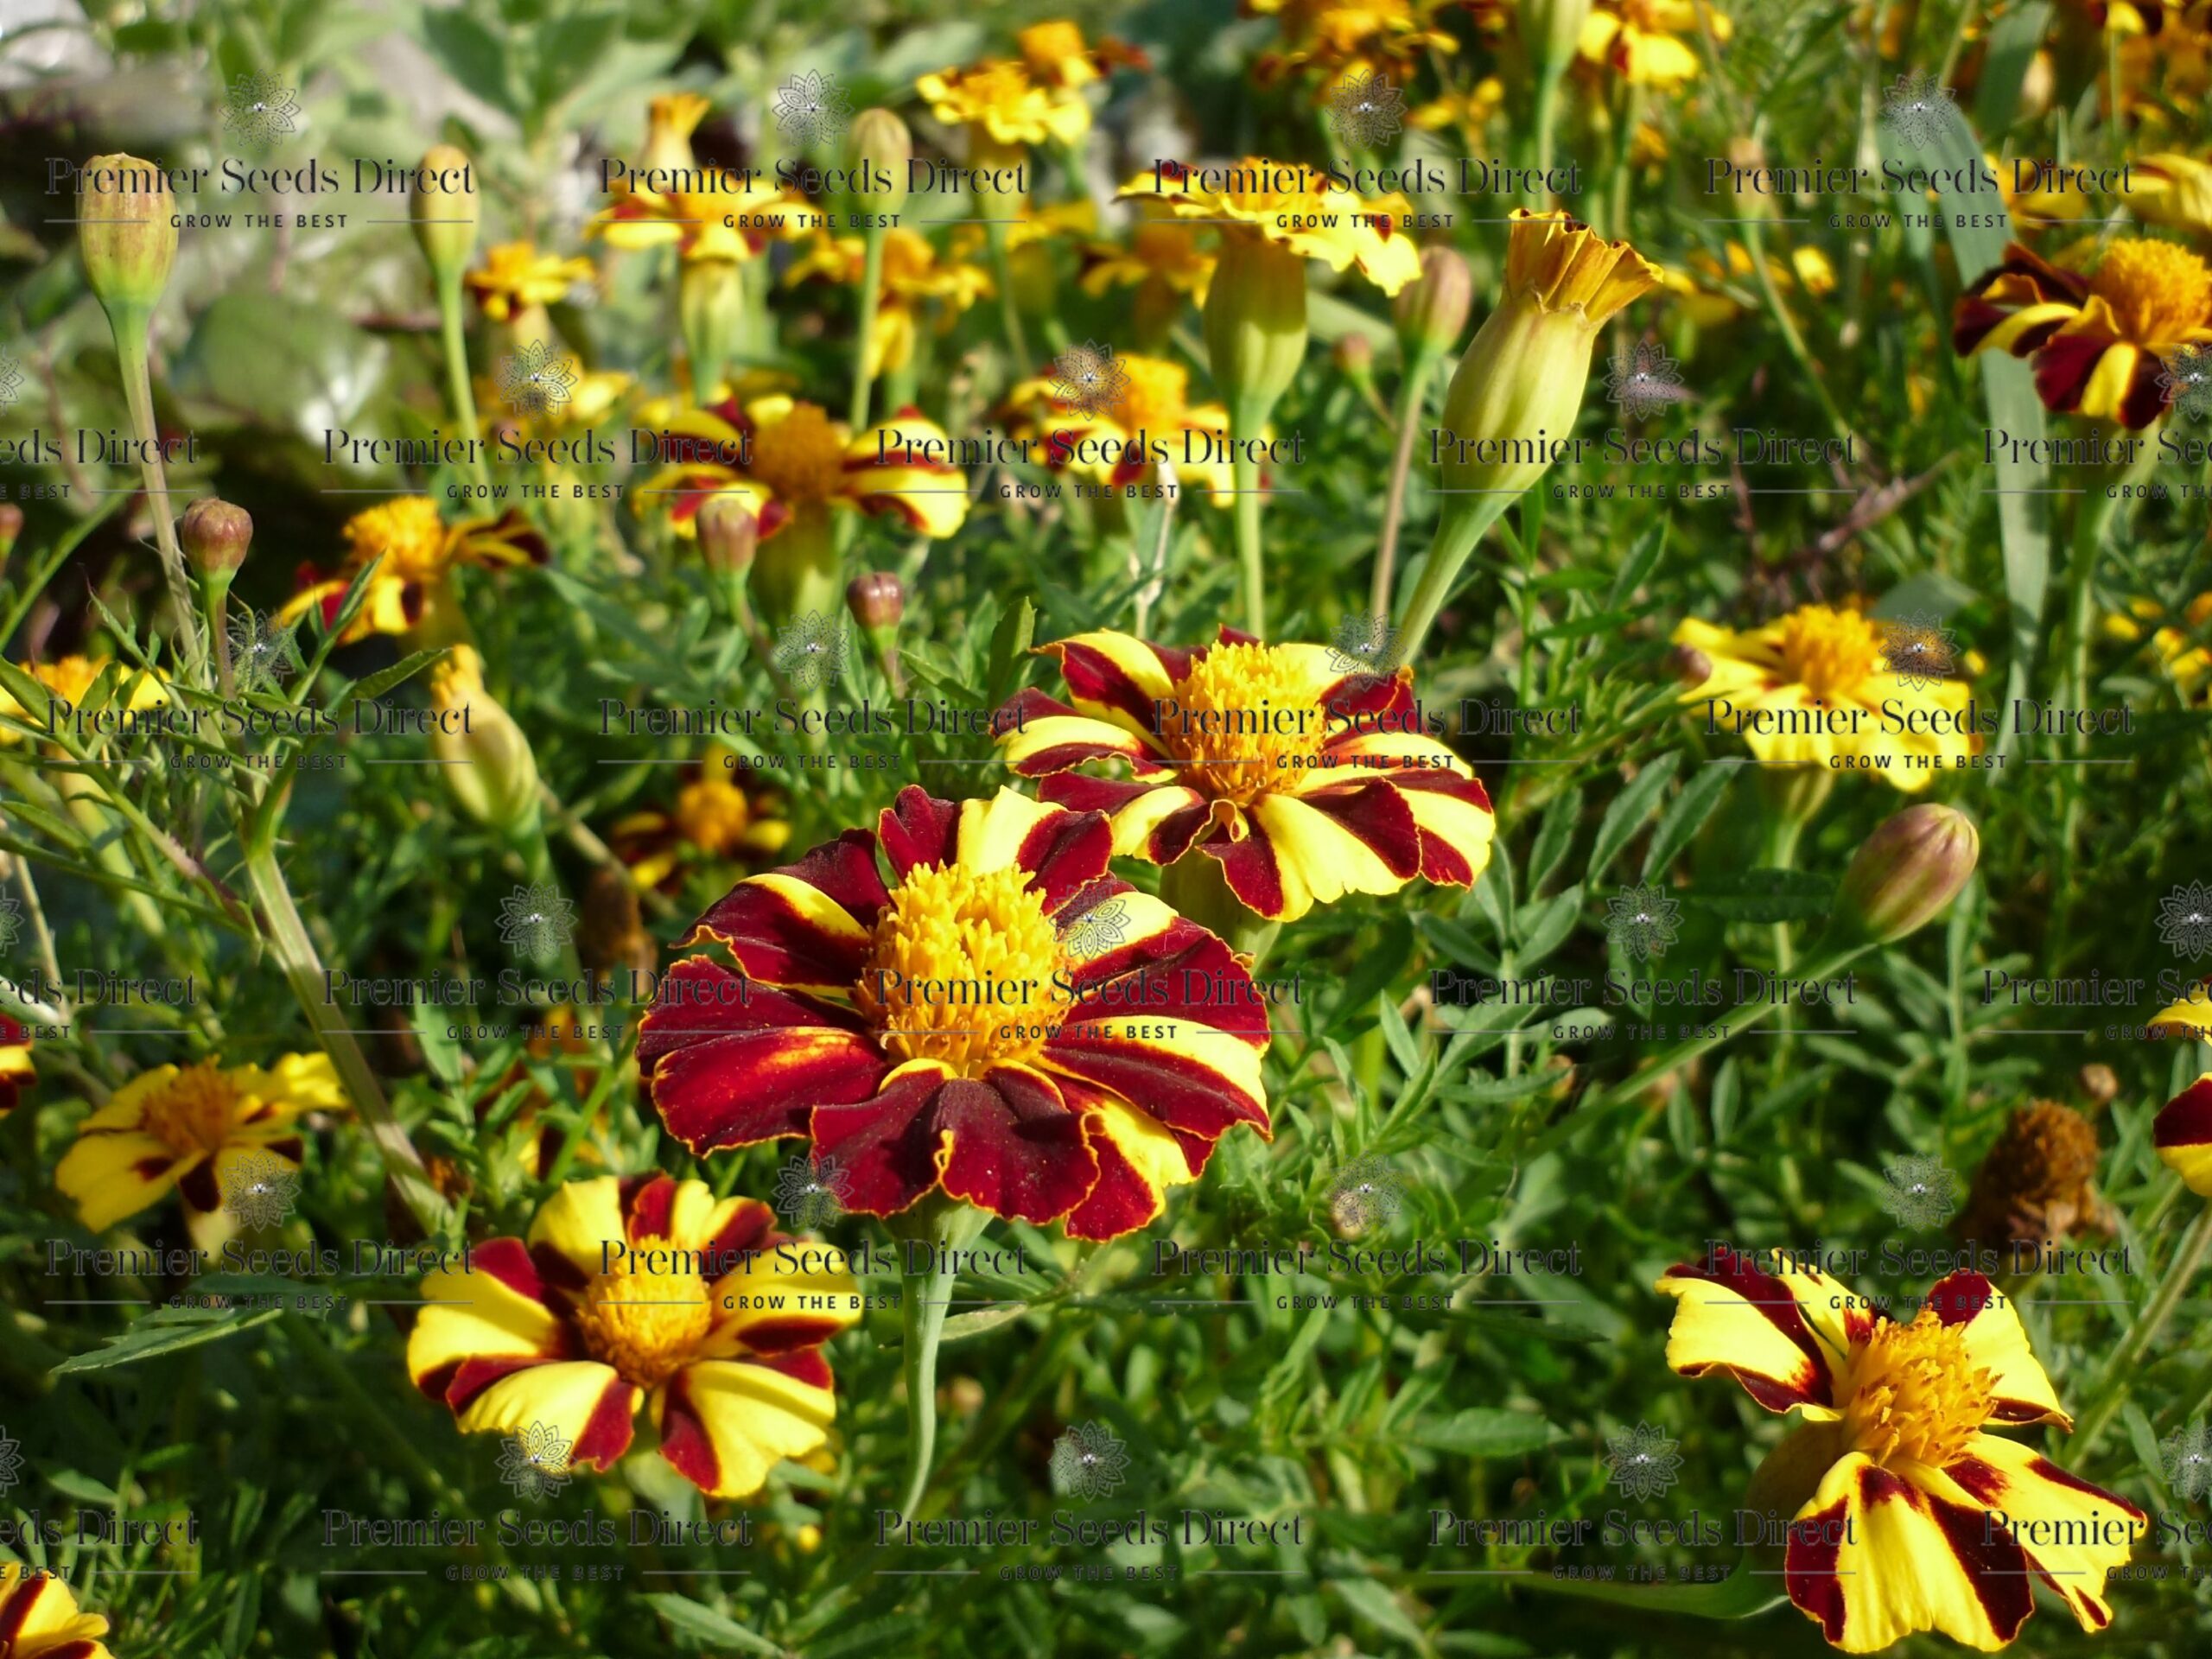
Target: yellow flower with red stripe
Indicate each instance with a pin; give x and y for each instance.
(1002, 1020)
(193, 1130)
(1122, 444)
(643, 1290)
(1290, 205)
(1919, 1520)
(416, 552)
(912, 277)
(516, 277)
(2098, 344)
(1165, 261)
(784, 458)
(2182, 1133)
(39, 1618)
(16, 1072)
(711, 818)
(1808, 689)
(1651, 42)
(1056, 54)
(1303, 780)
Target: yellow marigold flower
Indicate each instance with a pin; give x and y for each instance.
(201, 1131)
(2173, 189)
(1470, 112)
(670, 119)
(1651, 42)
(2139, 17)
(515, 277)
(1343, 793)
(2097, 343)
(1004, 109)
(1337, 38)
(641, 1291)
(1118, 444)
(1808, 689)
(1286, 205)
(1903, 1525)
(1711, 292)
(418, 551)
(39, 1618)
(1165, 261)
(1056, 54)
(913, 275)
(16, 1071)
(712, 819)
(71, 680)
(706, 219)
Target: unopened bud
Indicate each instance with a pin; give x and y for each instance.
(487, 761)
(611, 932)
(1355, 355)
(216, 536)
(1431, 310)
(878, 600)
(729, 534)
(1907, 873)
(444, 210)
(1690, 665)
(11, 526)
(882, 147)
(126, 232)
(2099, 1084)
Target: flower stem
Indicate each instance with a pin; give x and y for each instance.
(946, 1226)
(460, 391)
(2122, 1372)
(1465, 519)
(1413, 395)
(871, 296)
(1009, 313)
(1251, 568)
(138, 394)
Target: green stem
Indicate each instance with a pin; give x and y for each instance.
(1251, 567)
(2122, 1372)
(1465, 519)
(947, 1226)
(461, 390)
(871, 296)
(1413, 399)
(1009, 313)
(138, 393)
(1548, 85)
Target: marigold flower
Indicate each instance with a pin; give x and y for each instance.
(516, 277)
(913, 275)
(1115, 444)
(1002, 1021)
(39, 1618)
(1291, 207)
(2170, 189)
(188, 1129)
(1710, 292)
(71, 680)
(1361, 37)
(1165, 261)
(2182, 1132)
(16, 1072)
(1648, 42)
(1340, 793)
(670, 119)
(710, 222)
(1056, 54)
(416, 552)
(1916, 1520)
(1004, 109)
(712, 818)
(641, 1290)
(2097, 343)
(1809, 687)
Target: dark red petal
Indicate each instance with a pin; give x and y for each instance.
(917, 829)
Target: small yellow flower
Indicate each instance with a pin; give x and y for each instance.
(913, 275)
(516, 277)
(1004, 110)
(1651, 42)
(1120, 444)
(1056, 54)
(69, 679)
(415, 551)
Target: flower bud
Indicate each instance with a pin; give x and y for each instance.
(126, 232)
(11, 526)
(1690, 665)
(487, 763)
(2099, 1083)
(1433, 309)
(216, 536)
(1551, 30)
(880, 148)
(444, 210)
(878, 600)
(611, 933)
(1907, 873)
(729, 535)
(1255, 327)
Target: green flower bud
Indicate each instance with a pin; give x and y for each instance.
(489, 769)
(1254, 325)
(1431, 310)
(1907, 873)
(216, 536)
(729, 535)
(444, 209)
(126, 233)
(881, 144)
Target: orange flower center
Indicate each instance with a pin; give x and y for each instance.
(648, 1325)
(961, 969)
(1154, 399)
(1914, 1395)
(2160, 292)
(801, 458)
(1226, 728)
(712, 815)
(406, 534)
(1828, 652)
(194, 1112)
